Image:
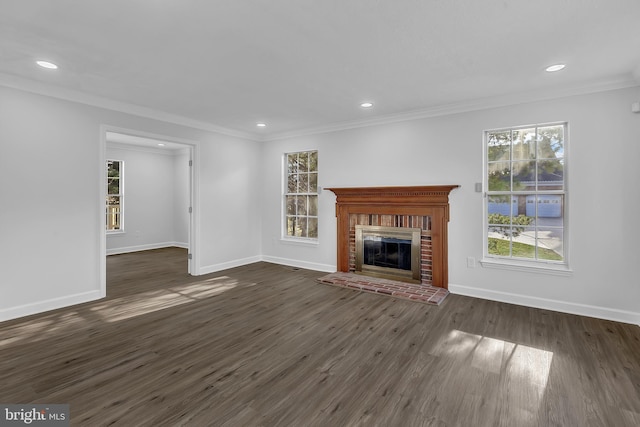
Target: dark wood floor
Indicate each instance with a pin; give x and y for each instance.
(266, 345)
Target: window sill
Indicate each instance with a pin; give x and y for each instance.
(116, 233)
(299, 241)
(531, 267)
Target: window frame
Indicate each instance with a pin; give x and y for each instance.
(120, 195)
(521, 263)
(285, 236)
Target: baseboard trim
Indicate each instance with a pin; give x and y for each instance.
(229, 264)
(300, 264)
(549, 304)
(139, 248)
(39, 307)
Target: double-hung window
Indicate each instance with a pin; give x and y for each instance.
(301, 195)
(525, 207)
(115, 195)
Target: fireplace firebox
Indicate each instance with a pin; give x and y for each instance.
(389, 252)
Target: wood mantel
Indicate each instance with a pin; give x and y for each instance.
(432, 201)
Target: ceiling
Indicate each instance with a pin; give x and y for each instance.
(304, 66)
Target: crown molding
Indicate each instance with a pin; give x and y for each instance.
(73, 95)
(465, 107)
(621, 82)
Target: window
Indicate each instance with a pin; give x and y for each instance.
(526, 193)
(301, 195)
(114, 199)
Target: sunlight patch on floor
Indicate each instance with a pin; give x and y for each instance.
(116, 309)
(39, 329)
(147, 302)
(515, 363)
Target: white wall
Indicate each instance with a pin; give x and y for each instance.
(603, 202)
(156, 199)
(52, 212)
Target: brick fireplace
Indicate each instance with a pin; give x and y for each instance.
(417, 207)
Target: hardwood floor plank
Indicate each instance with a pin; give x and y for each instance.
(265, 345)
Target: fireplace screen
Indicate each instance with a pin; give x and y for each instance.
(391, 252)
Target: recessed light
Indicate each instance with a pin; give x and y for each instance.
(47, 64)
(555, 67)
(261, 125)
(366, 105)
(160, 144)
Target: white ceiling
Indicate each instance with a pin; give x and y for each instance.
(305, 65)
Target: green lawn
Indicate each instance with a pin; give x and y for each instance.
(521, 250)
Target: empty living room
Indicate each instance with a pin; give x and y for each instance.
(298, 213)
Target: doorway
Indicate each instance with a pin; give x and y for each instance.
(155, 206)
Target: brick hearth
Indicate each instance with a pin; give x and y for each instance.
(410, 291)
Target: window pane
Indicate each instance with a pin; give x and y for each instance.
(499, 176)
(499, 146)
(551, 142)
(551, 175)
(498, 244)
(519, 223)
(113, 177)
(303, 162)
(292, 183)
(303, 183)
(313, 205)
(524, 175)
(297, 226)
(291, 205)
(292, 163)
(313, 182)
(113, 213)
(113, 168)
(301, 202)
(500, 231)
(524, 242)
(524, 144)
(291, 225)
(550, 245)
(313, 161)
(301, 228)
(113, 221)
(498, 205)
(548, 209)
(113, 186)
(113, 200)
(312, 224)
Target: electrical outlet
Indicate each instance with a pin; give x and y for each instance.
(471, 262)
